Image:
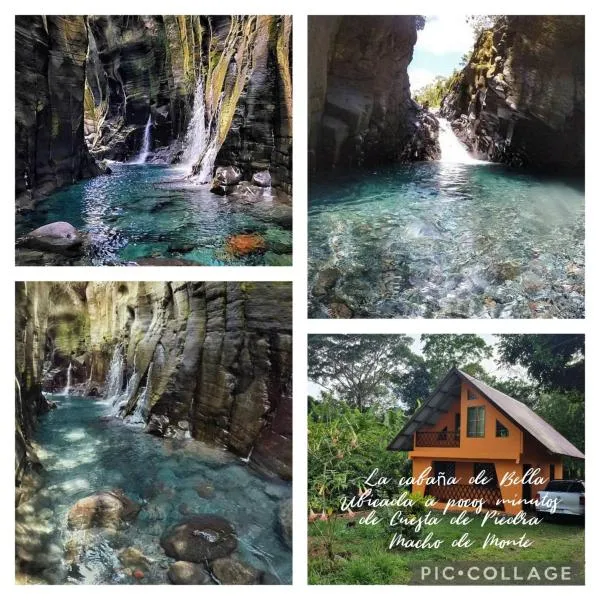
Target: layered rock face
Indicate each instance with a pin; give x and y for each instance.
(210, 360)
(520, 99)
(100, 80)
(139, 67)
(142, 67)
(50, 70)
(360, 109)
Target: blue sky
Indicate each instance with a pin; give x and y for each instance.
(440, 46)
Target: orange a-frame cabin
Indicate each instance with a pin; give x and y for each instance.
(467, 427)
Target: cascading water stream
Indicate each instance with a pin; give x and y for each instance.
(196, 137)
(139, 414)
(67, 388)
(114, 381)
(201, 139)
(453, 151)
(143, 155)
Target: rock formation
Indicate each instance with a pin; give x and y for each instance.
(520, 98)
(210, 360)
(360, 109)
(50, 71)
(102, 79)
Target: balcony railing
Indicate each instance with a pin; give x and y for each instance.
(490, 495)
(437, 439)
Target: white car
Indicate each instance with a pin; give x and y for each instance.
(562, 497)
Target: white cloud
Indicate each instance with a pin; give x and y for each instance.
(445, 33)
(419, 77)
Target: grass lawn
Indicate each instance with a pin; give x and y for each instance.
(362, 555)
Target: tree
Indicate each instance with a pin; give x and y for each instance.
(553, 361)
(480, 23)
(466, 351)
(363, 370)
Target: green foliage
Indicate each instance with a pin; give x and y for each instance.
(432, 94)
(442, 352)
(392, 525)
(344, 446)
(554, 362)
(361, 369)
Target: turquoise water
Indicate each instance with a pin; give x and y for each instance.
(150, 212)
(446, 240)
(83, 451)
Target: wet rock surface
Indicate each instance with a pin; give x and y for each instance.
(188, 573)
(231, 571)
(501, 106)
(200, 538)
(360, 109)
(50, 75)
(106, 509)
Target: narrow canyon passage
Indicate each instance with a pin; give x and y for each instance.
(463, 198)
(154, 140)
(153, 433)
(84, 448)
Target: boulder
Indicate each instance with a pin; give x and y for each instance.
(231, 571)
(157, 425)
(104, 509)
(188, 573)
(60, 237)
(200, 538)
(227, 175)
(284, 521)
(262, 179)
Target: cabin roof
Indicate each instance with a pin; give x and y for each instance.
(449, 390)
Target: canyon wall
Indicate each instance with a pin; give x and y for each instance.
(521, 97)
(360, 108)
(149, 66)
(50, 70)
(210, 360)
(93, 82)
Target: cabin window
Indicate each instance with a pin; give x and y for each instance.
(501, 430)
(471, 395)
(476, 421)
(447, 469)
(487, 470)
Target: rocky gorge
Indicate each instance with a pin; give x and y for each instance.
(146, 415)
(183, 94)
(520, 99)
(472, 209)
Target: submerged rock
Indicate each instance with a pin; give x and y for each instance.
(134, 558)
(326, 280)
(188, 573)
(285, 525)
(245, 243)
(231, 571)
(200, 538)
(105, 509)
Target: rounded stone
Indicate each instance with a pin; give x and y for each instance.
(188, 573)
(199, 538)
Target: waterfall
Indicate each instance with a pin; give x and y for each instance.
(196, 137)
(453, 151)
(114, 381)
(141, 408)
(143, 155)
(201, 138)
(67, 389)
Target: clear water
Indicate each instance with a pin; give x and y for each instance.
(84, 451)
(442, 239)
(150, 211)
